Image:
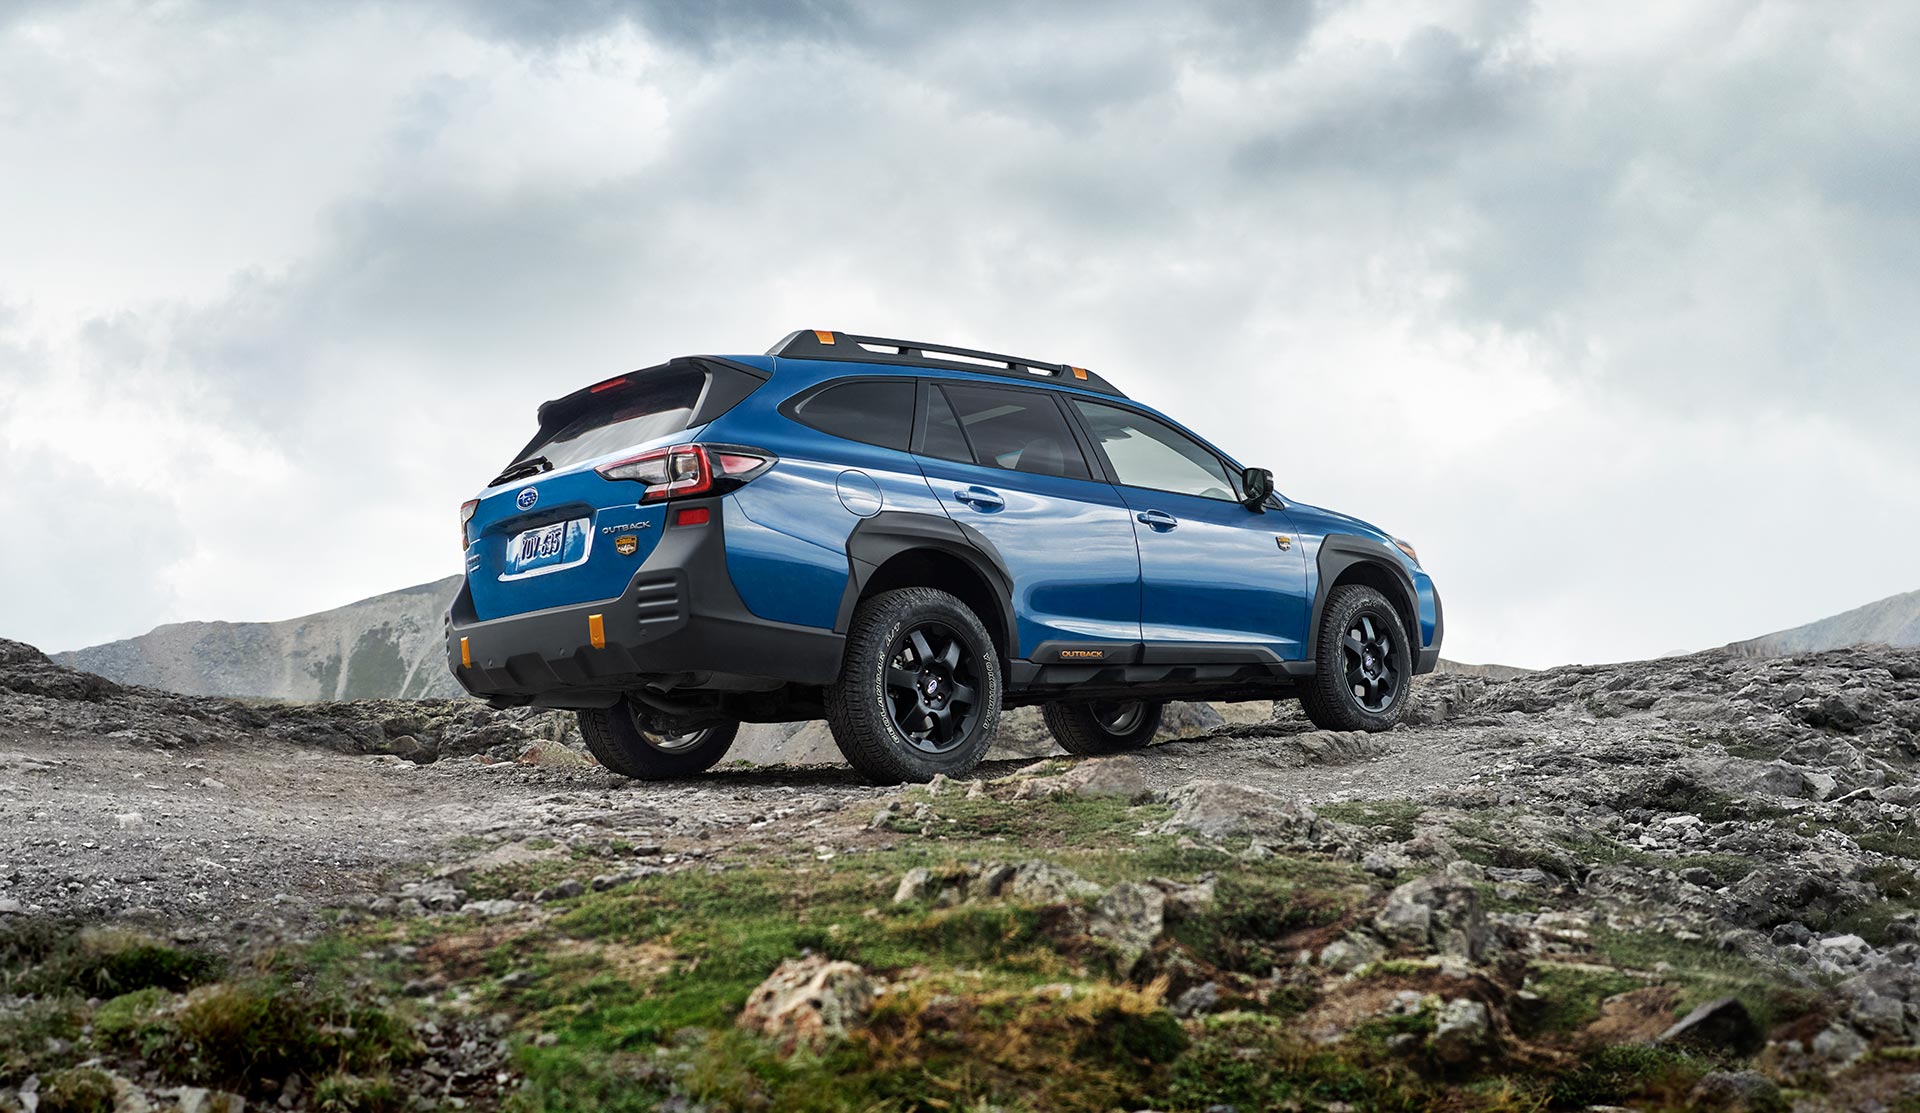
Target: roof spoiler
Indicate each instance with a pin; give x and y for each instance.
(847, 347)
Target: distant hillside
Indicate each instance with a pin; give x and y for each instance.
(384, 647)
(1491, 672)
(1893, 621)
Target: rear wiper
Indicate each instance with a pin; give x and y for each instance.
(532, 465)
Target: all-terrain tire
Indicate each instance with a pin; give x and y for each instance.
(1102, 727)
(867, 705)
(1363, 663)
(620, 744)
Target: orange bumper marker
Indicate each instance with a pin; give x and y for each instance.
(596, 631)
(466, 654)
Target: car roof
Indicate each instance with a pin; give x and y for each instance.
(847, 347)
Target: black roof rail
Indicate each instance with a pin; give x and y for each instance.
(848, 347)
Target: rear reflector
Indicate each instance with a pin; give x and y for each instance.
(597, 631)
(466, 654)
(693, 516)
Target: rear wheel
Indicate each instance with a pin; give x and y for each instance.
(1102, 726)
(919, 691)
(617, 740)
(1363, 663)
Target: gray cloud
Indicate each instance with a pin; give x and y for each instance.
(1564, 289)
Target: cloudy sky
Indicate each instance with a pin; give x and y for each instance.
(1615, 317)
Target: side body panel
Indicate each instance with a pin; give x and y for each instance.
(788, 529)
(1214, 573)
(1067, 543)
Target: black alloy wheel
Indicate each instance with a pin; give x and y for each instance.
(1368, 651)
(933, 691)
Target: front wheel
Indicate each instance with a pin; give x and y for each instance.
(617, 740)
(1363, 663)
(1102, 726)
(919, 690)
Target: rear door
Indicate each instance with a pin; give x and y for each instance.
(1216, 577)
(1004, 462)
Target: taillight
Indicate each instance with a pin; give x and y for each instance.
(686, 470)
(466, 515)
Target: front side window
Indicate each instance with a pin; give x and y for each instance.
(874, 411)
(1018, 430)
(1147, 453)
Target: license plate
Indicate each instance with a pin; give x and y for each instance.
(547, 548)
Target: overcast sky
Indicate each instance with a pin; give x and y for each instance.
(1614, 317)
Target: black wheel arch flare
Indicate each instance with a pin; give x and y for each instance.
(891, 533)
(1340, 553)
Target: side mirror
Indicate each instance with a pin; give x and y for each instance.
(1258, 484)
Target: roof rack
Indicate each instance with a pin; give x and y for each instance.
(848, 347)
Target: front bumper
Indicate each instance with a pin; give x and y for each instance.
(1429, 658)
(678, 624)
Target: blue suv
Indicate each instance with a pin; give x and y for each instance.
(905, 539)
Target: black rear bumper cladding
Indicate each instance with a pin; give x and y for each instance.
(679, 618)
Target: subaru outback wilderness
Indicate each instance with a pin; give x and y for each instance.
(905, 539)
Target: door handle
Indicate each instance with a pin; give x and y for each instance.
(1159, 520)
(980, 498)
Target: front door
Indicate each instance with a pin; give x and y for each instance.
(1004, 462)
(1214, 574)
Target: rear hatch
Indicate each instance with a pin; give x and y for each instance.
(550, 531)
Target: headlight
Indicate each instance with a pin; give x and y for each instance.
(1407, 549)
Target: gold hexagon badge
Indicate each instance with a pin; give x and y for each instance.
(626, 544)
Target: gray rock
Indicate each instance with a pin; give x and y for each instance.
(913, 885)
(1463, 1032)
(1198, 1000)
(1743, 1091)
(1130, 916)
(1350, 952)
(1222, 809)
(1438, 914)
(1038, 882)
(1721, 1025)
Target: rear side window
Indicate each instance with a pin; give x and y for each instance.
(638, 407)
(1019, 430)
(872, 411)
(1152, 454)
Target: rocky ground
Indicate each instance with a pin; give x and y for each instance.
(1658, 885)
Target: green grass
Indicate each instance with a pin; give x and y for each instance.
(1394, 819)
(1571, 996)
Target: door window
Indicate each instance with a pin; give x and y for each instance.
(1147, 453)
(1018, 430)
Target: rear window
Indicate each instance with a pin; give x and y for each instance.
(874, 411)
(640, 407)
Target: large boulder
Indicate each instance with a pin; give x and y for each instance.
(1130, 916)
(809, 1002)
(1224, 809)
(1438, 914)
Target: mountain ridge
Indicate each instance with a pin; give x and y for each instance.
(1893, 621)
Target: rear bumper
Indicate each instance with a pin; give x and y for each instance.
(678, 624)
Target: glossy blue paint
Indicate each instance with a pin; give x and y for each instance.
(779, 576)
(609, 508)
(1068, 544)
(1315, 523)
(1213, 571)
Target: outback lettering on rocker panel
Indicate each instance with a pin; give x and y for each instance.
(906, 539)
